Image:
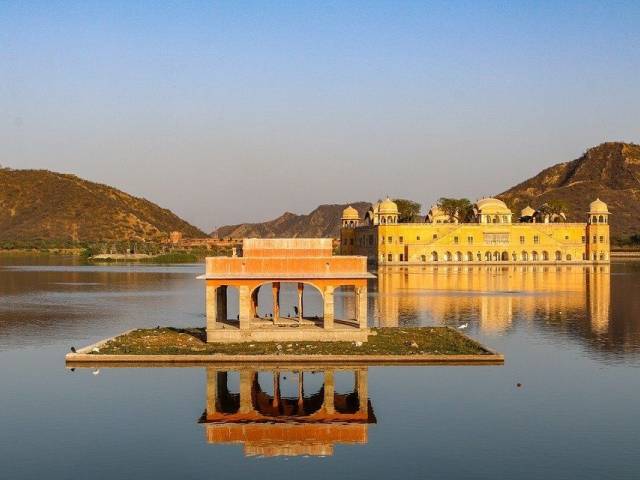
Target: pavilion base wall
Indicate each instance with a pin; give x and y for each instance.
(230, 335)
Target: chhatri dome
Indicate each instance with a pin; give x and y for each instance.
(527, 212)
(350, 213)
(492, 206)
(387, 206)
(598, 206)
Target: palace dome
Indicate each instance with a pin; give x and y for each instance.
(598, 206)
(527, 212)
(387, 206)
(350, 213)
(492, 206)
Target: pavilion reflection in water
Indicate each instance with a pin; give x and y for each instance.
(273, 422)
(495, 295)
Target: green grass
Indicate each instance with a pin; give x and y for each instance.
(385, 341)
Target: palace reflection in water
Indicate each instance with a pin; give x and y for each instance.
(287, 412)
(493, 296)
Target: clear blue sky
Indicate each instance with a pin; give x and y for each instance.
(237, 111)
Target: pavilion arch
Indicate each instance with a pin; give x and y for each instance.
(487, 256)
(569, 258)
(594, 219)
(514, 256)
(505, 256)
(434, 256)
(276, 394)
(601, 219)
(458, 256)
(525, 256)
(545, 256)
(448, 257)
(496, 256)
(295, 300)
(469, 257)
(383, 220)
(534, 256)
(558, 255)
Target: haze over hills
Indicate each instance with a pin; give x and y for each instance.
(324, 221)
(50, 206)
(610, 171)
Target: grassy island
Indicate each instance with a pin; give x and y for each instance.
(385, 341)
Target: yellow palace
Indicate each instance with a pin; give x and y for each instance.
(491, 237)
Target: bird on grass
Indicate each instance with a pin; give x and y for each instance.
(463, 326)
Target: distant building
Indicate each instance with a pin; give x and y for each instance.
(491, 236)
(175, 237)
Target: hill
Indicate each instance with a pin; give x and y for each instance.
(610, 171)
(49, 206)
(324, 221)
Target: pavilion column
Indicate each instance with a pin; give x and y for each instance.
(361, 306)
(362, 387)
(328, 307)
(221, 303)
(276, 389)
(275, 290)
(300, 391)
(254, 304)
(300, 301)
(329, 391)
(246, 390)
(211, 307)
(212, 390)
(244, 308)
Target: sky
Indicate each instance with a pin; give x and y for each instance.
(233, 111)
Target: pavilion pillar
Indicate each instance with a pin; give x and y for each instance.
(244, 308)
(275, 291)
(276, 389)
(212, 391)
(246, 390)
(221, 303)
(328, 307)
(211, 307)
(362, 387)
(329, 391)
(300, 391)
(254, 304)
(361, 306)
(300, 302)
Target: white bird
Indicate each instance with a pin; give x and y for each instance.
(463, 326)
(96, 372)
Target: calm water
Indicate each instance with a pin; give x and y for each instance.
(571, 337)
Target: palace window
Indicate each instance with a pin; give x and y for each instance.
(595, 240)
(455, 239)
(496, 238)
(401, 239)
(435, 236)
(423, 257)
(584, 240)
(390, 257)
(566, 237)
(469, 240)
(401, 257)
(418, 238)
(521, 238)
(390, 239)
(601, 239)
(536, 239)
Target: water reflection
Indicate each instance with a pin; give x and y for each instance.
(294, 412)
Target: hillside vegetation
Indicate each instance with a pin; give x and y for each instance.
(39, 205)
(610, 171)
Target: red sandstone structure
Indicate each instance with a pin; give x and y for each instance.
(306, 262)
(271, 424)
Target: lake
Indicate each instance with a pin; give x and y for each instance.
(570, 335)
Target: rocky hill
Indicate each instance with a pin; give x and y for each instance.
(610, 171)
(324, 221)
(49, 206)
